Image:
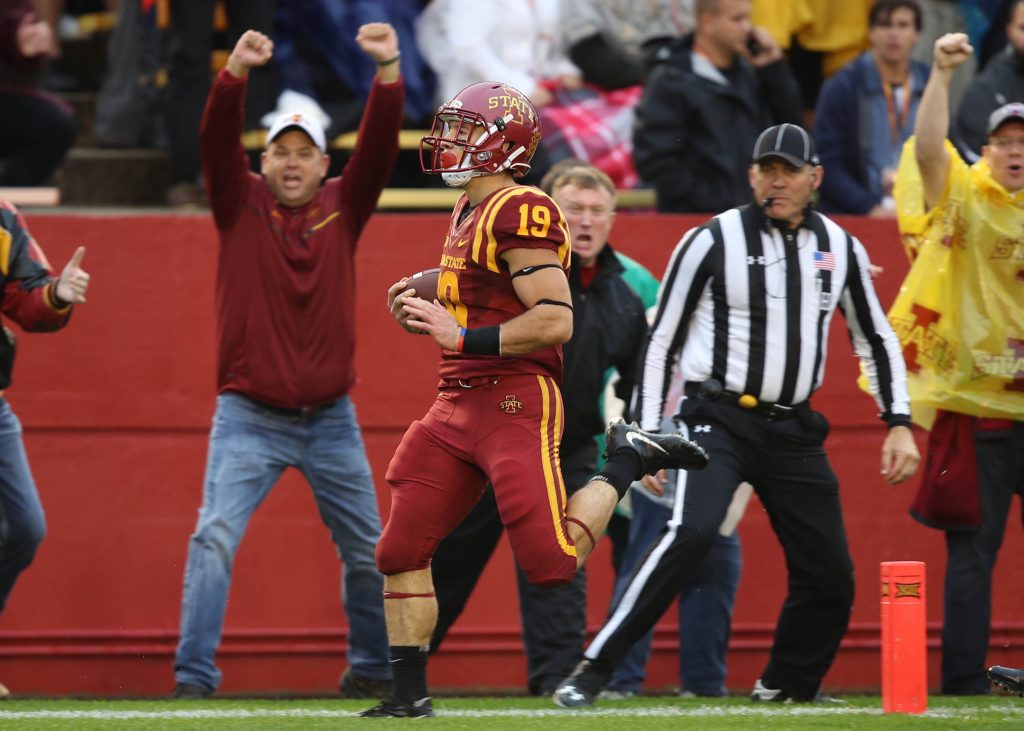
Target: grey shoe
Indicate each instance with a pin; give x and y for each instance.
(1010, 679)
(657, 451)
(609, 694)
(352, 685)
(582, 687)
(190, 692)
(391, 707)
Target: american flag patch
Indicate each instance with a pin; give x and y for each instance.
(824, 260)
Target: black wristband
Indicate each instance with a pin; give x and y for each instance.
(389, 61)
(481, 340)
(892, 420)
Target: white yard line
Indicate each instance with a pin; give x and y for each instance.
(635, 712)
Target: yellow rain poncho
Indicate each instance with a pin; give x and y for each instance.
(960, 311)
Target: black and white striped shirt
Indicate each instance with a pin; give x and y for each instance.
(750, 305)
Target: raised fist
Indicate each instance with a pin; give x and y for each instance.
(379, 41)
(951, 50)
(253, 49)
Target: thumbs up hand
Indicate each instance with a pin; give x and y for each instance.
(74, 280)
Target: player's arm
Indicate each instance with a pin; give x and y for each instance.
(541, 285)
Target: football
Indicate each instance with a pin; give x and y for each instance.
(425, 283)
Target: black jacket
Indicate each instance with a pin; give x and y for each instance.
(696, 127)
(609, 325)
(1001, 82)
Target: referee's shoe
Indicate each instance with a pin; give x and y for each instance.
(1010, 679)
(582, 687)
(392, 707)
(762, 693)
(657, 451)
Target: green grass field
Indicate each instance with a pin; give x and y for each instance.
(861, 712)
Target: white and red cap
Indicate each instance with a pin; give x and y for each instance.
(298, 120)
(1005, 113)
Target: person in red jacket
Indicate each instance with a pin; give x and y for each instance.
(286, 335)
(37, 302)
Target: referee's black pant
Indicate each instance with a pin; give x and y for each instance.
(785, 461)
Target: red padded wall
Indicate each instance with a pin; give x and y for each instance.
(116, 410)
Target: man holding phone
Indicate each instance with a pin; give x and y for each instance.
(706, 100)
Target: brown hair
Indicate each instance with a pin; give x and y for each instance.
(584, 176)
(547, 183)
(882, 10)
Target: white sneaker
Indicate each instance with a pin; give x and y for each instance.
(771, 695)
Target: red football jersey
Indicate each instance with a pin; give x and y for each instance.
(476, 285)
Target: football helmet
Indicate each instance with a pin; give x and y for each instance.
(486, 128)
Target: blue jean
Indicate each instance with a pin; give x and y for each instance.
(22, 525)
(705, 607)
(250, 446)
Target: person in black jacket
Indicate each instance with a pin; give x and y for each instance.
(1001, 82)
(704, 105)
(608, 328)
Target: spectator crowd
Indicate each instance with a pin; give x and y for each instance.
(641, 90)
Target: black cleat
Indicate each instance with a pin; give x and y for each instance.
(582, 687)
(352, 685)
(657, 451)
(1010, 679)
(391, 707)
(190, 692)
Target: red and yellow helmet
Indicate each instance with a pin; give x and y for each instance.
(508, 136)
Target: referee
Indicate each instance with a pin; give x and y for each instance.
(744, 311)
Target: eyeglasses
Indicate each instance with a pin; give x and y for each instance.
(1006, 143)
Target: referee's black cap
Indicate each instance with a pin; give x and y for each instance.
(789, 142)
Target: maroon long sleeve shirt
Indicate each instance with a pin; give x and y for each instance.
(286, 276)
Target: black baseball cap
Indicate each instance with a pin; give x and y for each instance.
(789, 142)
(1005, 113)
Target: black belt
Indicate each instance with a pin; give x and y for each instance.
(711, 390)
(302, 412)
(475, 382)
